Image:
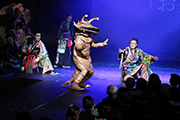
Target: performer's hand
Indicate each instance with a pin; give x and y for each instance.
(37, 60)
(58, 41)
(156, 58)
(120, 50)
(105, 42)
(24, 58)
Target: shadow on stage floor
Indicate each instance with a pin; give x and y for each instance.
(41, 95)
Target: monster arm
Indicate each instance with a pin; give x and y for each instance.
(101, 44)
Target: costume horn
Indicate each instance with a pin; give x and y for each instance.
(93, 19)
(84, 17)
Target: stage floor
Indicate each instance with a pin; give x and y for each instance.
(41, 95)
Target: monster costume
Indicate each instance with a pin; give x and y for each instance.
(81, 57)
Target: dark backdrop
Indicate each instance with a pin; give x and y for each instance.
(155, 23)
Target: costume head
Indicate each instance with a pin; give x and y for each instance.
(85, 26)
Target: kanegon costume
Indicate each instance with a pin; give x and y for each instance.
(83, 43)
(131, 64)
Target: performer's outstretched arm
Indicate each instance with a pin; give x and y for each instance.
(101, 44)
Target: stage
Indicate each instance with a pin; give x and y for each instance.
(43, 96)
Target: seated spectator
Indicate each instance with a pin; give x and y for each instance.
(109, 102)
(152, 96)
(114, 114)
(174, 94)
(174, 80)
(154, 82)
(112, 91)
(125, 103)
(90, 113)
(165, 88)
(73, 112)
(130, 82)
(44, 118)
(141, 84)
(23, 116)
(104, 109)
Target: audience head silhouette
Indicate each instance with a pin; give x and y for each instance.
(73, 112)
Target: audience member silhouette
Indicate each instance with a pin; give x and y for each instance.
(141, 84)
(90, 113)
(104, 107)
(154, 82)
(130, 82)
(174, 80)
(23, 116)
(73, 112)
(44, 118)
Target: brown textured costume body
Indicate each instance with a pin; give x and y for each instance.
(82, 60)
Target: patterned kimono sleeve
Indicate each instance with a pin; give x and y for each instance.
(24, 47)
(60, 31)
(146, 57)
(43, 52)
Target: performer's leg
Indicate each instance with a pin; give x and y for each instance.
(68, 83)
(79, 78)
(144, 72)
(67, 58)
(87, 77)
(75, 85)
(127, 76)
(57, 60)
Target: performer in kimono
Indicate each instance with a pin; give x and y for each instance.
(133, 60)
(81, 57)
(17, 31)
(37, 55)
(65, 36)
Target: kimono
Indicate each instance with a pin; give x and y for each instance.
(37, 56)
(139, 62)
(43, 58)
(31, 52)
(65, 34)
(20, 28)
(14, 44)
